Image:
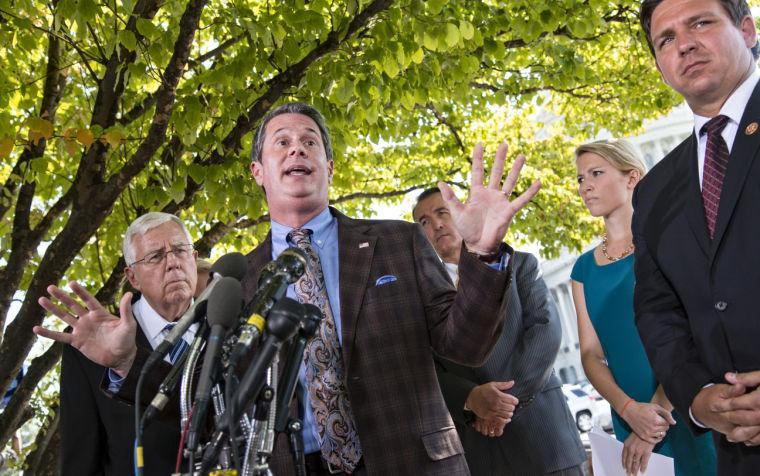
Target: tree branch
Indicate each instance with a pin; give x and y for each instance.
(291, 77)
(11, 417)
(443, 121)
(93, 199)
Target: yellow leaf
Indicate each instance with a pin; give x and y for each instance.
(113, 137)
(85, 137)
(40, 128)
(70, 141)
(72, 147)
(34, 137)
(6, 146)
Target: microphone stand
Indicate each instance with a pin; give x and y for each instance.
(188, 372)
(170, 381)
(294, 427)
(295, 434)
(261, 440)
(281, 326)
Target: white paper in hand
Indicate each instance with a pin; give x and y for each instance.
(607, 457)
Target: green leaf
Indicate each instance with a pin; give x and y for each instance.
(435, 6)
(390, 66)
(127, 38)
(430, 41)
(452, 34)
(147, 29)
(344, 90)
(466, 29)
(546, 16)
(418, 56)
(197, 172)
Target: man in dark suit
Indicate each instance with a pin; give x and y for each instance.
(98, 432)
(696, 227)
(510, 413)
(390, 300)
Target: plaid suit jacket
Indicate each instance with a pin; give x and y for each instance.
(389, 334)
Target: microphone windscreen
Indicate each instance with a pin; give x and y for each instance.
(284, 318)
(225, 303)
(290, 306)
(232, 264)
(312, 312)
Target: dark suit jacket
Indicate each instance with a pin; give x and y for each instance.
(388, 331)
(542, 437)
(98, 432)
(696, 298)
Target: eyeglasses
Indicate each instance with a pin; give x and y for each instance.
(180, 252)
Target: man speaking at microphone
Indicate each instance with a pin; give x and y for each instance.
(98, 432)
(369, 396)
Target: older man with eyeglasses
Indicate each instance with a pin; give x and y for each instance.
(97, 432)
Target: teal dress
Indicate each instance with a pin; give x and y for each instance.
(608, 291)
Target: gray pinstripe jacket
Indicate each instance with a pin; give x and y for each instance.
(542, 437)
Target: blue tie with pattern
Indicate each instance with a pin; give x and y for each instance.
(179, 347)
(324, 368)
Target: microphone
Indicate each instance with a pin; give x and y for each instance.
(309, 325)
(162, 396)
(282, 324)
(274, 280)
(224, 305)
(231, 264)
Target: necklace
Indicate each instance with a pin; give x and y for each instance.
(625, 253)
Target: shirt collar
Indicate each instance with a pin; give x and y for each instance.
(735, 104)
(453, 271)
(153, 323)
(320, 225)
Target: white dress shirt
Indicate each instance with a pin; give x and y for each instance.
(734, 109)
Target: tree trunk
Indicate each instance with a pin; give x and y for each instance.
(43, 460)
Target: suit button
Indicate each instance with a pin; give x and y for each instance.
(721, 305)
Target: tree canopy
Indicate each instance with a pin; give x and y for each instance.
(110, 109)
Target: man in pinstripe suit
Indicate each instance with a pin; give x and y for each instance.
(510, 413)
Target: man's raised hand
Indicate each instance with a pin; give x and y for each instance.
(483, 219)
(103, 338)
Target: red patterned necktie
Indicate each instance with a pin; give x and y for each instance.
(716, 161)
(324, 368)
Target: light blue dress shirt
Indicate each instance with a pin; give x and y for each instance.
(324, 238)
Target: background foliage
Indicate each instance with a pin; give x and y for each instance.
(112, 108)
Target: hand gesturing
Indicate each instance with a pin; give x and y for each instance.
(103, 338)
(483, 219)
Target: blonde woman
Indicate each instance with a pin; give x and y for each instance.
(612, 354)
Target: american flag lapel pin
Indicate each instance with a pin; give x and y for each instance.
(363, 244)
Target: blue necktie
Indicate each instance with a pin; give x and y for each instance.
(179, 347)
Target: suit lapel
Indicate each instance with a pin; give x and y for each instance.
(257, 259)
(743, 153)
(695, 212)
(141, 339)
(355, 251)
